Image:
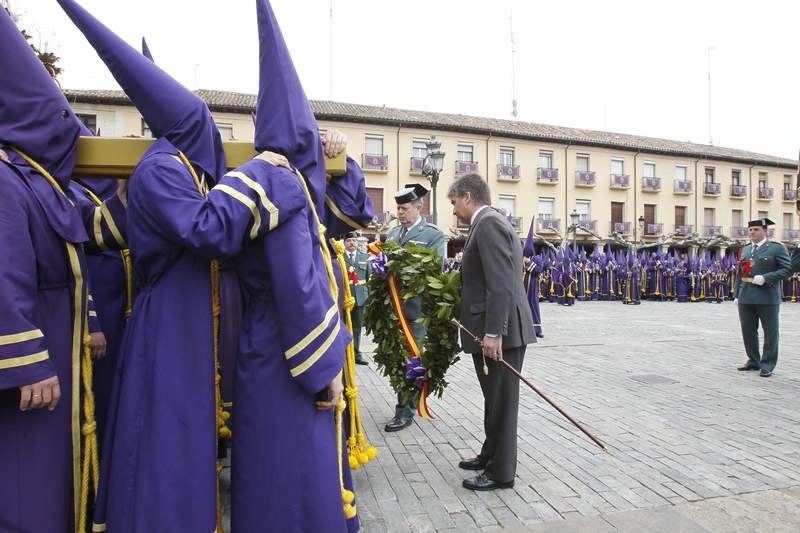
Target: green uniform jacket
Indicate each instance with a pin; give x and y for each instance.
(362, 269)
(427, 236)
(771, 260)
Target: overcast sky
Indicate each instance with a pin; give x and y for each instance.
(638, 67)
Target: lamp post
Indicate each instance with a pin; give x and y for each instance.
(641, 228)
(574, 218)
(432, 166)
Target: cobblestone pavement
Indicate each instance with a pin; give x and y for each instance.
(693, 444)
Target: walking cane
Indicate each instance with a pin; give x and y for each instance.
(532, 386)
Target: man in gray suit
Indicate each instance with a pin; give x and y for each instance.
(762, 267)
(493, 307)
(358, 269)
(413, 229)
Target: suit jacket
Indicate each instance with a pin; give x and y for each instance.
(362, 269)
(771, 260)
(493, 297)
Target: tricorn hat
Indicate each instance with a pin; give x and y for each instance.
(411, 192)
(763, 222)
(352, 235)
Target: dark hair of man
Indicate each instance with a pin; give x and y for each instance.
(473, 184)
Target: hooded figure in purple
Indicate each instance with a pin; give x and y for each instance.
(285, 470)
(158, 467)
(43, 294)
(532, 269)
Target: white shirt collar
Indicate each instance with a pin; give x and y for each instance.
(475, 214)
(761, 242)
(415, 224)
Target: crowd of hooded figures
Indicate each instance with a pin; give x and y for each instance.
(564, 276)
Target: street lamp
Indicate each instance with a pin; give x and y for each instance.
(574, 218)
(432, 166)
(641, 228)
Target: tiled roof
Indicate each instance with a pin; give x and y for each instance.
(226, 101)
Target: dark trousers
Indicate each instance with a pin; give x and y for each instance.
(408, 408)
(500, 408)
(749, 317)
(355, 315)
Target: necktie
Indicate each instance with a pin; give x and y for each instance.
(403, 233)
(352, 257)
(755, 248)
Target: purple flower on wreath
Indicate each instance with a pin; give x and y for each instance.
(379, 264)
(415, 371)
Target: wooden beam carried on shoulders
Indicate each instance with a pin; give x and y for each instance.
(115, 157)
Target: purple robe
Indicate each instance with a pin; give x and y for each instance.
(42, 319)
(293, 343)
(160, 447)
(108, 282)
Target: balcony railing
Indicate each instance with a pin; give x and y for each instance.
(428, 218)
(683, 186)
(585, 178)
(739, 231)
(548, 225)
(620, 181)
(712, 188)
(588, 225)
(766, 193)
(516, 222)
(710, 231)
(547, 175)
(684, 229)
(770, 233)
(623, 228)
(508, 172)
(738, 191)
(657, 228)
(791, 234)
(417, 164)
(466, 167)
(651, 184)
(789, 195)
(374, 162)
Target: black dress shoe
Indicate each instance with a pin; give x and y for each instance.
(748, 367)
(765, 373)
(361, 361)
(540, 335)
(398, 422)
(472, 464)
(482, 482)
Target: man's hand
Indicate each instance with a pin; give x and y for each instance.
(333, 142)
(45, 393)
(97, 345)
(759, 280)
(331, 393)
(493, 347)
(274, 159)
(4, 156)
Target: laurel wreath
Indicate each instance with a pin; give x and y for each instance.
(419, 273)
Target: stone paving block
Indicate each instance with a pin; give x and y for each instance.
(657, 520)
(669, 443)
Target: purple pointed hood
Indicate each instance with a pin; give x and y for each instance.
(285, 122)
(34, 115)
(169, 109)
(529, 250)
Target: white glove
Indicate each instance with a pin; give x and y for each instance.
(758, 279)
(736, 301)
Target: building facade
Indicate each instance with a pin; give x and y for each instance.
(583, 184)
